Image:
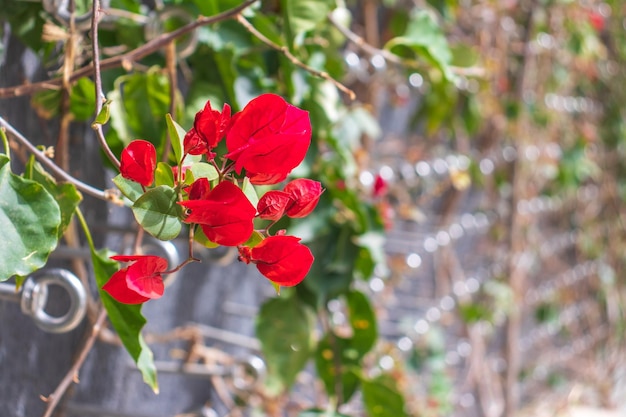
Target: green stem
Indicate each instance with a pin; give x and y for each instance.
(83, 224)
(5, 142)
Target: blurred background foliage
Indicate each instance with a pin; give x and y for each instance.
(522, 103)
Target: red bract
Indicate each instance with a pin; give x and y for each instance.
(273, 204)
(138, 282)
(268, 139)
(305, 194)
(200, 189)
(281, 259)
(209, 127)
(138, 162)
(225, 215)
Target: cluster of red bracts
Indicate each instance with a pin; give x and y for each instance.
(265, 142)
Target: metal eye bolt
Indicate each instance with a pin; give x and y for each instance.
(33, 298)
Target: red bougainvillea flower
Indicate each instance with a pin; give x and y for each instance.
(272, 205)
(281, 259)
(209, 127)
(225, 214)
(138, 282)
(268, 139)
(138, 162)
(305, 195)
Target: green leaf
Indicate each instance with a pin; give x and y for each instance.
(47, 103)
(177, 136)
(157, 212)
(131, 189)
(250, 192)
(382, 399)
(304, 15)
(103, 117)
(83, 99)
(363, 322)
(138, 104)
(335, 359)
(65, 194)
(284, 328)
(425, 38)
(163, 175)
(29, 219)
(204, 170)
(126, 319)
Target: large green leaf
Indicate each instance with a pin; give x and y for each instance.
(425, 39)
(304, 15)
(157, 212)
(126, 319)
(66, 195)
(29, 220)
(284, 328)
(382, 398)
(363, 322)
(138, 106)
(82, 101)
(335, 360)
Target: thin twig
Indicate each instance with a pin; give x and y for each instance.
(362, 44)
(170, 65)
(95, 11)
(285, 51)
(146, 49)
(72, 374)
(56, 170)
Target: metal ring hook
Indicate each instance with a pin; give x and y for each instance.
(35, 298)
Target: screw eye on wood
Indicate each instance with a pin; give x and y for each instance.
(33, 299)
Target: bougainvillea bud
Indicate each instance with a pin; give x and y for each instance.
(209, 127)
(200, 189)
(268, 139)
(225, 215)
(305, 195)
(138, 162)
(272, 205)
(138, 282)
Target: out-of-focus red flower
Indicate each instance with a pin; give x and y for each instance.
(272, 205)
(138, 282)
(183, 173)
(597, 21)
(281, 259)
(138, 162)
(209, 127)
(268, 139)
(305, 194)
(380, 186)
(225, 214)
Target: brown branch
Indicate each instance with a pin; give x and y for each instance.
(56, 170)
(170, 65)
(285, 51)
(53, 399)
(97, 127)
(138, 53)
